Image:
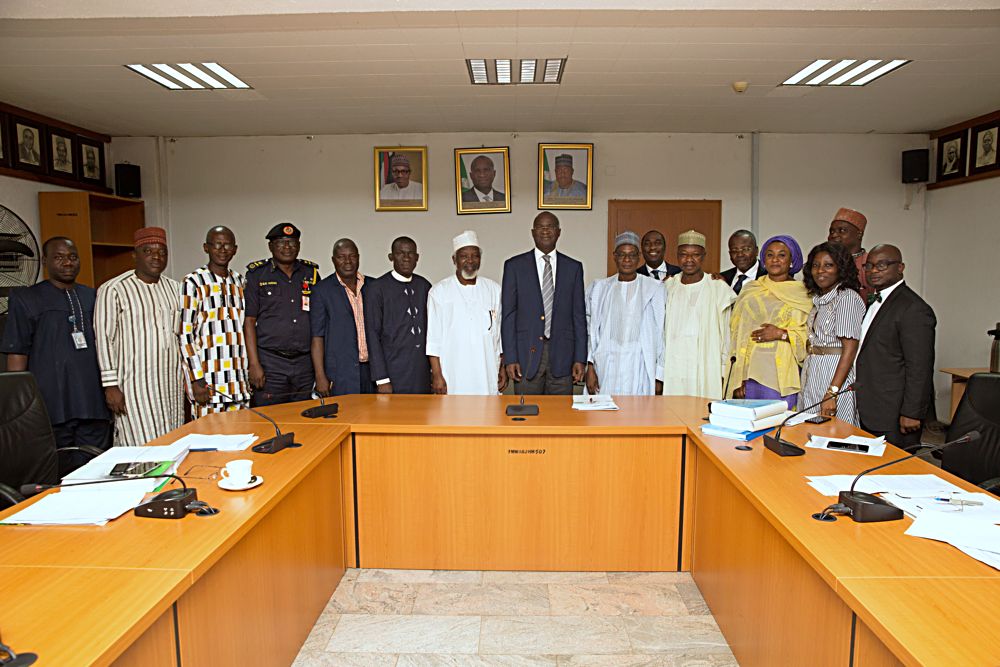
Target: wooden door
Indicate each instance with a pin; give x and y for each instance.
(670, 217)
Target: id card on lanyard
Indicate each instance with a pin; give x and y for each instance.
(305, 295)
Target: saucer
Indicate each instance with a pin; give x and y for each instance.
(255, 481)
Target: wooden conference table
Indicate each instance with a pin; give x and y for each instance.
(452, 483)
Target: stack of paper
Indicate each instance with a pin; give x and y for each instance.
(200, 442)
(100, 467)
(595, 402)
(83, 505)
(978, 538)
(905, 485)
(876, 446)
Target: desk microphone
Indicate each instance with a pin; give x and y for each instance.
(8, 658)
(520, 411)
(272, 445)
(785, 448)
(725, 389)
(322, 410)
(170, 504)
(866, 507)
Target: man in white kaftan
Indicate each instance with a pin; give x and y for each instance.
(463, 327)
(625, 326)
(696, 331)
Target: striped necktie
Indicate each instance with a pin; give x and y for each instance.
(548, 292)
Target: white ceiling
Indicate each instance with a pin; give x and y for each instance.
(404, 72)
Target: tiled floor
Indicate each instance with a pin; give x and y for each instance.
(416, 618)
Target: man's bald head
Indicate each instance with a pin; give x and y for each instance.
(890, 251)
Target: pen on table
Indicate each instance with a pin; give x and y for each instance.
(958, 501)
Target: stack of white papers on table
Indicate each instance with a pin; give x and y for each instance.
(594, 402)
(100, 467)
(199, 442)
(876, 446)
(977, 537)
(912, 486)
(83, 505)
(965, 504)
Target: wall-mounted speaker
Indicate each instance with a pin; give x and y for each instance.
(916, 166)
(127, 181)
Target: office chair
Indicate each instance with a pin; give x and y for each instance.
(977, 462)
(27, 446)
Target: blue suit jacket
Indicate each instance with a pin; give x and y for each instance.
(332, 319)
(522, 326)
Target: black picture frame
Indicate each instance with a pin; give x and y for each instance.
(62, 164)
(982, 160)
(85, 174)
(4, 141)
(37, 159)
(949, 167)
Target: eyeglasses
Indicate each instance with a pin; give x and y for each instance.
(286, 243)
(880, 266)
(627, 255)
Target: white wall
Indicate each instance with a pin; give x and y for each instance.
(21, 197)
(961, 285)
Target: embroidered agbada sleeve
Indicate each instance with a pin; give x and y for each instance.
(191, 323)
(107, 333)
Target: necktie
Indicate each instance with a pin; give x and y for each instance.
(739, 283)
(874, 297)
(488, 197)
(656, 273)
(548, 292)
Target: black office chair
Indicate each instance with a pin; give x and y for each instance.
(28, 452)
(979, 409)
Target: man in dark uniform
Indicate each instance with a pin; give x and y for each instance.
(277, 328)
(396, 322)
(50, 332)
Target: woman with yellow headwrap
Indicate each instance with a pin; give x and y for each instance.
(768, 327)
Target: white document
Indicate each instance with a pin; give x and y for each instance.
(956, 530)
(912, 486)
(799, 418)
(85, 505)
(876, 446)
(595, 402)
(199, 442)
(991, 559)
(100, 466)
(987, 509)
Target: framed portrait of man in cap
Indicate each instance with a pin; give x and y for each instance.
(984, 147)
(91, 161)
(482, 180)
(565, 176)
(400, 178)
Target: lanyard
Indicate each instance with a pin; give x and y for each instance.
(73, 307)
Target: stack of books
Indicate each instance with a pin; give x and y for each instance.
(744, 418)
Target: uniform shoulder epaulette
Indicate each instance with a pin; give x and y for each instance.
(253, 266)
(309, 263)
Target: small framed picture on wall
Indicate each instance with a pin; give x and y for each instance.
(565, 176)
(482, 180)
(91, 158)
(984, 149)
(62, 153)
(400, 178)
(27, 145)
(4, 142)
(952, 154)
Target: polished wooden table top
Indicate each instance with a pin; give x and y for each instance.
(964, 373)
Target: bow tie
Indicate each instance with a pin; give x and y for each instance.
(874, 297)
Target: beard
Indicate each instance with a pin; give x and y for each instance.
(469, 275)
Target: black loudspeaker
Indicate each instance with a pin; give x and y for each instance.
(916, 166)
(127, 181)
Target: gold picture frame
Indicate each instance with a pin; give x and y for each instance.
(394, 185)
(576, 193)
(484, 164)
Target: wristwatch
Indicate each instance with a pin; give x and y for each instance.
(833, 389)
(784, 335)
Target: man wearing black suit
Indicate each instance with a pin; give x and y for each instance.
(482, 174)
(895, 365)
(543, 318)
(654, 245)
(743, 254)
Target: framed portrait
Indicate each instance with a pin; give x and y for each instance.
(565, 176)
(62, 153)
(4, 142)
(952, 156)
(401, 178)
(482, 180)
(90, 157)
(983, 148)
(27, 144)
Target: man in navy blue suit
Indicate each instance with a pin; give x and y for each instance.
(543, 318)
(339, 346)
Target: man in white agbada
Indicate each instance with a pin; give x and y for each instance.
(625, 323)
(463, 327)
(401, 187)
(696, 333)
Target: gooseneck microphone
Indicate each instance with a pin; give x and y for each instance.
(520, 411)
(170, 504)
(272, 445)
(9, 658)
(867, 507)
(785, 448)
(725, 388)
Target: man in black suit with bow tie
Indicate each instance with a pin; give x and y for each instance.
(895, 365)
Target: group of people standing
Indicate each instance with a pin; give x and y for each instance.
(115, 365)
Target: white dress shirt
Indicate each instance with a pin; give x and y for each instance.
(540, 265)
(751, 274)
(485, 196)
(873, 311)
(662, 269)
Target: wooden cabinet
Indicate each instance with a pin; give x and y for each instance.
(100, 225)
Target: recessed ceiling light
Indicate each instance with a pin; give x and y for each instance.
(501, 70)
(528, 71)
(553, 70)
(857, 74)
(477, 70)
(170, 76)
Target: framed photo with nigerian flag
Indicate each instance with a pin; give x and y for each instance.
(401, 178)
(482, 180)
(565, 176)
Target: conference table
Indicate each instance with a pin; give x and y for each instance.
(451, 482)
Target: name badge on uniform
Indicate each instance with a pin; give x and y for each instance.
(79, 340)
(305, 295)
